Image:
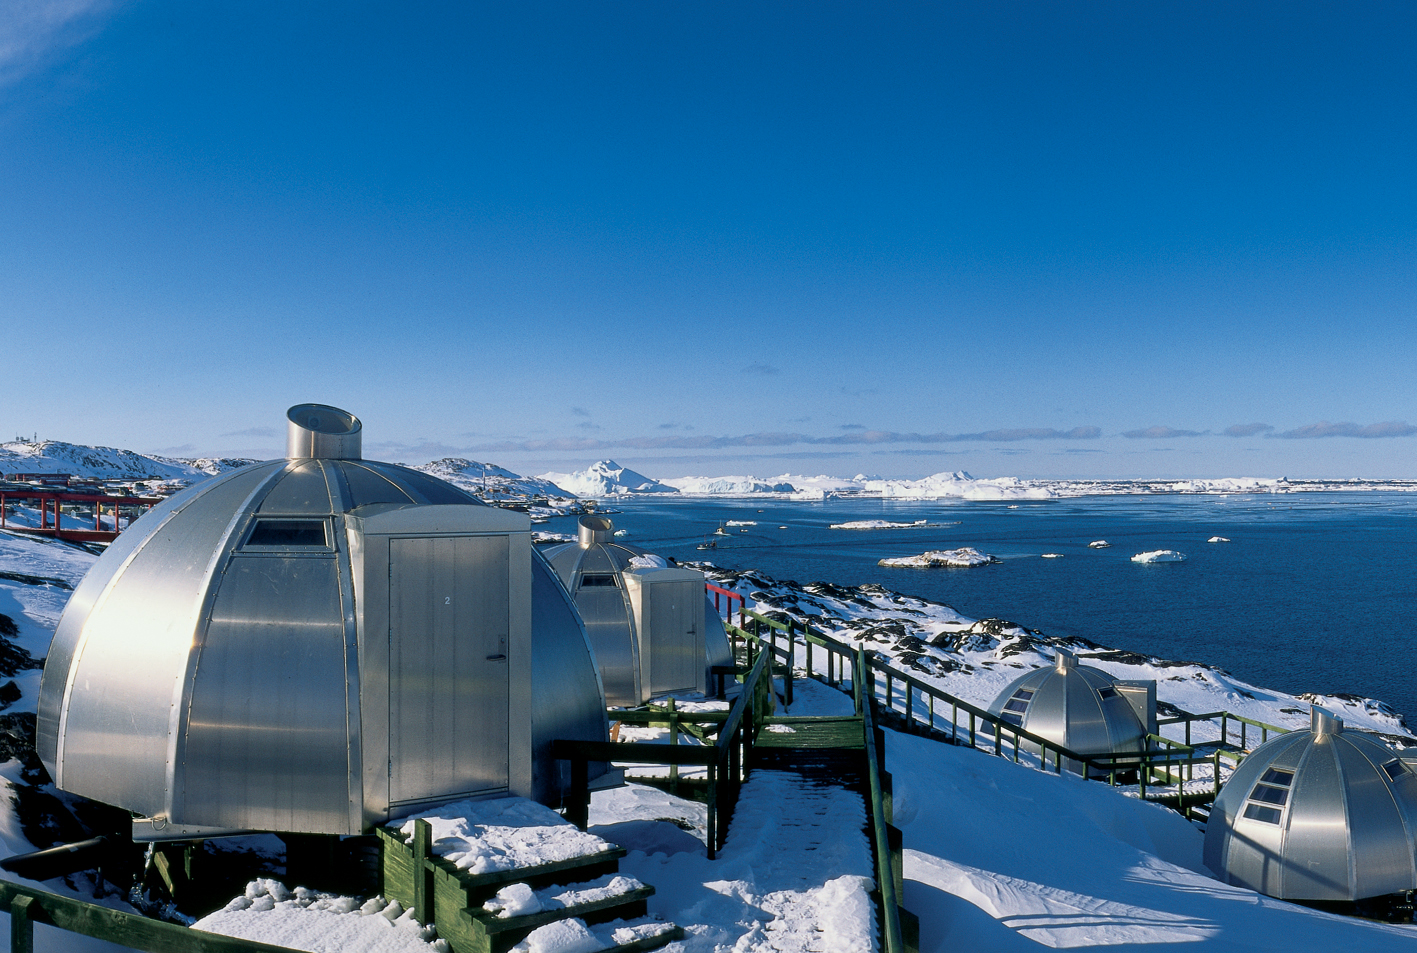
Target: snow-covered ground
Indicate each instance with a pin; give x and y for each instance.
(998, 856)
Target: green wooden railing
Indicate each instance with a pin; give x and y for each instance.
(726, 759)
(1165, 762)
(28, 906)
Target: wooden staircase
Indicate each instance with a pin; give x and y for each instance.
(453, 899)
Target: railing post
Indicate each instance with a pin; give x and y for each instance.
(22, 911)
(673, 743)
(791, 663)
(423, 871)
(712, 808)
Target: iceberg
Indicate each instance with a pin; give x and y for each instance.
(1159, 556)
(952, 558)
(607, 478)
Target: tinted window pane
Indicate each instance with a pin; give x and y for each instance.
(1270, 795)
(288, 533)
(1394, 769)
(1267, 814)
(1014, 704)
(1277, 776)
(598, 579)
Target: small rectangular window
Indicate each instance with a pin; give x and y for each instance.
(1278, 776)
(288, 533)
(1256, 812)
(1394, 769)
(1016, 704)
(593, 579)
(1107, 691)
(1024, 693)
(1269, 794)
(1012, 719)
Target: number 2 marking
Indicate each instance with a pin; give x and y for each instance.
(447, 600)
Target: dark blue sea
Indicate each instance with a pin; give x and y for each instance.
(1314, 592)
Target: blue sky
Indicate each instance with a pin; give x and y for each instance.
(1041, 239)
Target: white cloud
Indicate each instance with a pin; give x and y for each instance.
(33, 30)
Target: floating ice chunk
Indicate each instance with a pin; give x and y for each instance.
(1052, 555)
(622, 532)
(1159, 556)
(966, 556)
(1099, 544)
(1218, 539)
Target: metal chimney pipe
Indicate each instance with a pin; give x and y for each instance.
(594, 529)
(324, 432)
(1325, 723)
(1065, 660)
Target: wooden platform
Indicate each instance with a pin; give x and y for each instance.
(440, 893)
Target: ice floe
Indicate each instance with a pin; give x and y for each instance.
(965, 556)
(1159, 556)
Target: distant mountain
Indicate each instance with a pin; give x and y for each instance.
(103, 463)
(491, 482)
(608, 478)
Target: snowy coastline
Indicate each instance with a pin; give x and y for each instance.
(991, 872)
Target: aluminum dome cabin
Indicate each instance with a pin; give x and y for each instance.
(315, 645)
(652, 626)
(1081, 708)
(1323, 814)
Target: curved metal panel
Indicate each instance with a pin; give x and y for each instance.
(266, 736)
(89, 594)
(570, 700)
(422, 487)
(129, 671)
(716, 647)
(302, 491)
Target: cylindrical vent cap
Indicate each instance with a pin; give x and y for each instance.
(318, 430)
(1325, 723)
(595, 529)
(1065, 660)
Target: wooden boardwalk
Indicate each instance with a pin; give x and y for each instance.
(829, 749)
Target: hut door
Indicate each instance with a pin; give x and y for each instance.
(677, 656)
(448, 625)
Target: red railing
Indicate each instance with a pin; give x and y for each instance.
(725, 609)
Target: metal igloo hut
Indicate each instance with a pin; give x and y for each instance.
(652, 625)
(315, 645)
(1322, 814)
(1081, 708)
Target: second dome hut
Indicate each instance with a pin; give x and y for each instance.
(651, 624)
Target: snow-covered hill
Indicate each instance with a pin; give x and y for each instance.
(607, 478)
(491, 482)
(104, 463)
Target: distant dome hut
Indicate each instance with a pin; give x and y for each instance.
(1322, 814)
(315, 645)
(1080, 708)
(651, 624)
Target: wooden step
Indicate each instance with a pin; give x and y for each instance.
(498, 934)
